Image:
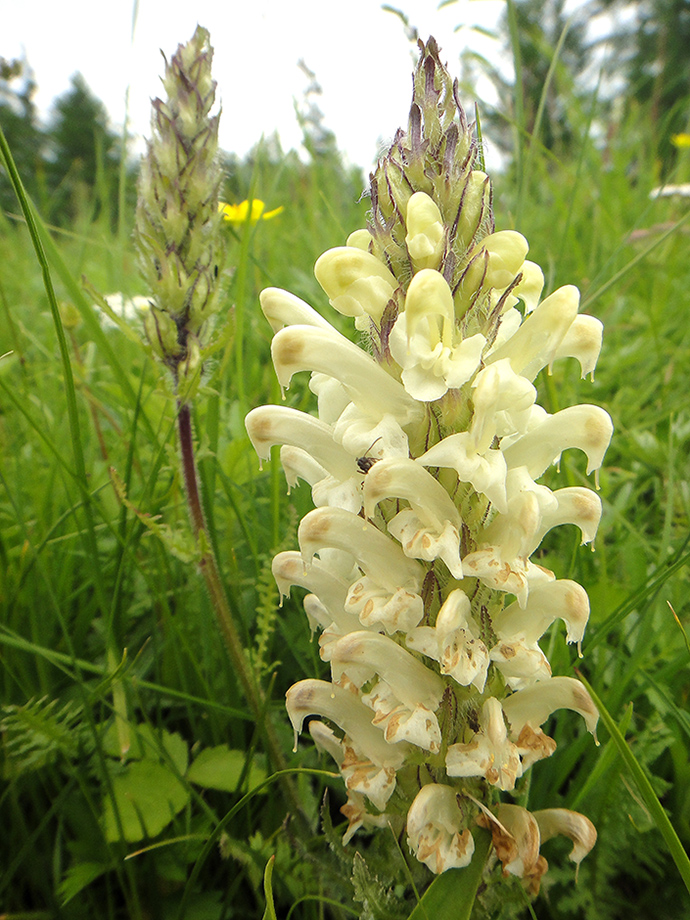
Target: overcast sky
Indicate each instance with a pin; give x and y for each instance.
(359, 53)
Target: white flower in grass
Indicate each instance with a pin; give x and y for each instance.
(502, 400)
(356, 282)
(281, 308)
(355, 809)
(518, 834)
(535, 344)
(377, 435)
(502, 561)
(583, 341)
(530, 286)
(587, 427)
(516, 839)
(368, 386)
(436, 829)
(430, 528)
(325, 489)
(269, 425)
(425, 239)
(534, 705)
(562, 599)
(486, 472)
(521, 663)
(513, 576)
(387, 595)
(492, 270)
(555, 821)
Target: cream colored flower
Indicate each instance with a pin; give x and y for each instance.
(490, 754)
(454, 642)
(436, 829)
(426, 344)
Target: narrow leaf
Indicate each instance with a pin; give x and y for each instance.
(452, 894)
(654, 806)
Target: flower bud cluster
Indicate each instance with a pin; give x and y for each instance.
(178, 222)
(424, 463)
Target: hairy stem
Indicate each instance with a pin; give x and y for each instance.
(209, 569)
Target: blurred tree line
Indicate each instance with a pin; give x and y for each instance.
(73, 165)
(69, 166)
(635, 52)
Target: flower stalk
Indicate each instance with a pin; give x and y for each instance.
(424, 465)
(180, 243)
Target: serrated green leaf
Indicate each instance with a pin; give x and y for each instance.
(148, 795)
(180, 542)
(78, 877)
(378, 902)
(221, 768)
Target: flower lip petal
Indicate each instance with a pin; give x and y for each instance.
(572, 824)
(355, 281)
(535, 704)
(583, 342)
(536, 342)
(369, 386)
(435, 832)
(400, 477)
(587, 427)
(269, 425)
(412, 682)
(425, 239)
(375, 552)
(281, 308)
(311, 696)
(563, 599)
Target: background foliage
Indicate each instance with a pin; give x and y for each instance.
(134, 783)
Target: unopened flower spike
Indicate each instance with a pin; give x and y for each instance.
(425, 465)
(178, 222)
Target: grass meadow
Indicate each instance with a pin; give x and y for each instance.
(135, 783)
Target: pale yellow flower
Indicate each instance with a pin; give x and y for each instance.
(240, 213)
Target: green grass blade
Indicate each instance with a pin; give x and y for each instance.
(642, 592)
(513, 30)
(542, 101)
(649, 797)
(614, 279)
(270, 912)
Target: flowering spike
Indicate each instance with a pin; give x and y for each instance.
(424, 465)
(178, 222)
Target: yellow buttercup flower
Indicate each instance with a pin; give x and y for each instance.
(680, 140)
(239, 213)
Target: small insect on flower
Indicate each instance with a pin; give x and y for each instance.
(365, 463)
